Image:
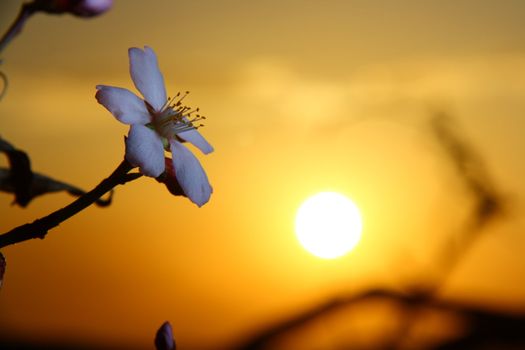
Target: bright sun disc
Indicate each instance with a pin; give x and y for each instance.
(328, 225)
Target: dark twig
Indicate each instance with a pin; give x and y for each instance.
(485, 325)
(5, 83)
(487, 206)
(26, 185)
(26, 11)
(488, 203)
(40, 227)
(41, 184)
(19, 177)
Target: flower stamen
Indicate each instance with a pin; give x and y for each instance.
(174, 117)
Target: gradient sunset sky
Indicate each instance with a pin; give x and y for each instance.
(301, 96)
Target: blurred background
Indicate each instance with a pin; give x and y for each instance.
(413, 109)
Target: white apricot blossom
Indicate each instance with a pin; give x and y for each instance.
(158, 123)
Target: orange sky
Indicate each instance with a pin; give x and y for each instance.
(301, 97)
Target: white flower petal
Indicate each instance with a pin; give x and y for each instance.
(144, 149)
(195, 138)
(123, 104)
(190, 174)
(144, 70)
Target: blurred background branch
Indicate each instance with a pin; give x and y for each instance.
(479, 327)
(5, 83)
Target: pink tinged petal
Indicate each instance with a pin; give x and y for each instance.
(195, 138)
(123, 104)
(144, 70)
(144, 149)
(90, 8)
(190, 174)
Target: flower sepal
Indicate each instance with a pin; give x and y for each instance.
(169, 179)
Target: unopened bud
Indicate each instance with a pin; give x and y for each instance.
(90, 8)
(81, 8)
(164, 337)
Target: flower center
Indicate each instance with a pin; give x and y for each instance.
(174, 117)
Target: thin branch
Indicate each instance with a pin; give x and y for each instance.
(488, 203)
(26, 11)
(485, 324)
(5, 83)
(40, 227)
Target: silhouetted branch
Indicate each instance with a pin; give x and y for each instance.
(41, 185)
(471, 169)
(26, 184)
(483, 325)
(40, 227)
(20, 177)
(5, 83)
(488, 204)
(25, 12)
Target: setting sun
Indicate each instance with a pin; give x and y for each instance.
(328, 225)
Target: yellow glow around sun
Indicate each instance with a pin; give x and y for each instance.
(328, 225)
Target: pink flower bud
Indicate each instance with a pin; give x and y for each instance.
(90, 8)
(81, 8)
(164, 337)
